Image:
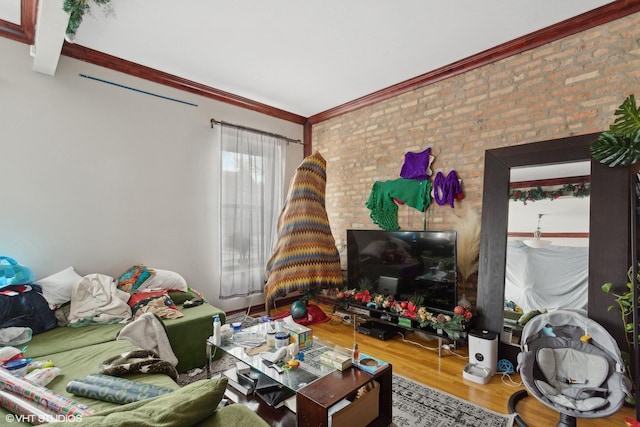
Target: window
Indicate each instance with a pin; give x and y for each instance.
(251, 198)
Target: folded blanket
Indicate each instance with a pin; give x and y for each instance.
(137, 361)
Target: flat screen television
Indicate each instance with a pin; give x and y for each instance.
(406, 264)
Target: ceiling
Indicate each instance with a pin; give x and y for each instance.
(306, 57)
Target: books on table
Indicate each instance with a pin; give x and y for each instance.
(268, 389)
(370, 364)
(272, 392)
(244, 383)
(335, 360)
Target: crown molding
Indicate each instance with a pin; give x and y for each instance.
(618, 9)
(82, 53)
(25, 32)
(599, 16)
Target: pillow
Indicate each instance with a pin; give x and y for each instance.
(165, 279)
(134, 277)
(185, 406)
(530, 315)
(56, 289)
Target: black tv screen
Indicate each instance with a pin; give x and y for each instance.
(406, 264)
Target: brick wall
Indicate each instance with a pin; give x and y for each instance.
(569, 87)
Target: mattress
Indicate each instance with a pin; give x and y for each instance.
(80, 362)
(65, 338)
(187, 335)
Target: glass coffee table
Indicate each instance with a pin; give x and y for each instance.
(318, 388)
(249, 345)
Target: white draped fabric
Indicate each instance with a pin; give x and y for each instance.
(550, 278)
(251, 197)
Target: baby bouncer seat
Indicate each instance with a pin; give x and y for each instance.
(571, 364)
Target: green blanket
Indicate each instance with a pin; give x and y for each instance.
(184, 407)
(79, 363)
(187, 335)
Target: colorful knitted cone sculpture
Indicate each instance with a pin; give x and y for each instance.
(305, 256)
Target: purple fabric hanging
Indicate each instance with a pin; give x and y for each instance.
(415, 165)
(446, 189)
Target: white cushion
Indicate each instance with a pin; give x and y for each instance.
(164, 279)
(57, 288)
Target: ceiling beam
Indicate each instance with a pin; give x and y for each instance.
(50, 31)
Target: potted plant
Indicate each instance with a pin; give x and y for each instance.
(625, 304)
(76, 10)
(620, 147)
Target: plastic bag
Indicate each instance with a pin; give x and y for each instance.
(42, 376)
(12, 273)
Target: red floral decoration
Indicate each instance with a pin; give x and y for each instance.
(409, 309)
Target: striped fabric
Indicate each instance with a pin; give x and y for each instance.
(305, 256)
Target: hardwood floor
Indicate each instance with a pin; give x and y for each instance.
(416, 358)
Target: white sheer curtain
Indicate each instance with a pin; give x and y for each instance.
(251, 198)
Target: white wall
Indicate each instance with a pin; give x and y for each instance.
(101, 177)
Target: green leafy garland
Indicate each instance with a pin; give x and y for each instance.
(538, 193)
(76, 10)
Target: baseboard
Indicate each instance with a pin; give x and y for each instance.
(286, 300)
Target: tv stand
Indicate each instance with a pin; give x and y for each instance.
(385, 325)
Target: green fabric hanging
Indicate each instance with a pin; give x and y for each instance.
(384, 210)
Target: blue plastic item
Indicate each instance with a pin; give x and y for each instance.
(12, 273)
(505, 366)
(548, 331)
(17, 367)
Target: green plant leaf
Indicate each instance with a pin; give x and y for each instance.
(620, 146)
(607, 287)
(76, 10)
(616, 150)
(627, 121)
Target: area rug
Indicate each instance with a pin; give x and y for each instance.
(417, 405)
(414, 405)
(314, 315)
(242, 318)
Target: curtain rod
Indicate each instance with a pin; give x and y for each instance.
(275, 135)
